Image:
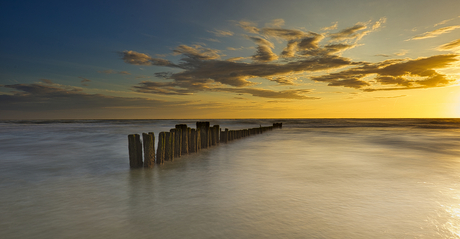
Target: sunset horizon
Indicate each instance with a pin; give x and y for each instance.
(217, 60)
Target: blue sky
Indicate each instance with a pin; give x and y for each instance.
(229, 59)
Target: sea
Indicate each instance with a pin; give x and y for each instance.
(314, 178)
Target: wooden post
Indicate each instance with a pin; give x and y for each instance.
(149, 149)
(169, 146)
(177, 142)
(192, 141)
(184, 138)
(216, 134)
(204, 134)
(198, 140)
(135, 151)
(161, 148)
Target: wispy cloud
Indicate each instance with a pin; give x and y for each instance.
(275, 23)
(332, 27)
(443, 22)
(434, 33)
(453, 45)
(221, 33)
(136, 58)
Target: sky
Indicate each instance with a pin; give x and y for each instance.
(229, 59)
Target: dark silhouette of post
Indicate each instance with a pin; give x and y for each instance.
(203, 127)
(192, 141)
(184, 138)
(135, 151)
(169, 146)
(177, 142)
(149, 149)
(161, 148)
(198, 140)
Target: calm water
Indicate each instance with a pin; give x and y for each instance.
(316, 178)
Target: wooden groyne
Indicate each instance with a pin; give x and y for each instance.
(183, 140)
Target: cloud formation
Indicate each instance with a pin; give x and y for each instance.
(304, 52)
(39, 97)
(434, 33)
(401, 74)
(136, 58)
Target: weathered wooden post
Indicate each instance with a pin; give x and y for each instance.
(192, 141)
(198, 140)
(203, 127)
(161, 148)
(135, 151)
(149, 149)
(216, 134)
(184, 138)
(169, 146)
(177, 142)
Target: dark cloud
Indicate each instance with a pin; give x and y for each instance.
(40, 97)
(409, 74)
(136, 58)
(282, 80)
(165, 88)
(204, 70)
(264, 54)
(348, 33)
(197, 52)
(284, 94)
(84, 80)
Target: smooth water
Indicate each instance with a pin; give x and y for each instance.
(315, 178)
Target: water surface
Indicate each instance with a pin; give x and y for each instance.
(315, 178)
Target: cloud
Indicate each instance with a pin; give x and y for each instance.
(211, 39)
(443, 22)
(248, 26)
(202, 69)
(197, 52)
(357, 31)
(298, 94)
(275, 23)
(165, 88)
(434, 33)
(39, 97)
(46, 81)
(83, 81)
(405, 74)
(221, 33)
(401, 53)
(348, 33)
(136, 58)
(332, 27)
(283, 80)
(264, 54)
(237, 58)
(453, 45)
(108, 72)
